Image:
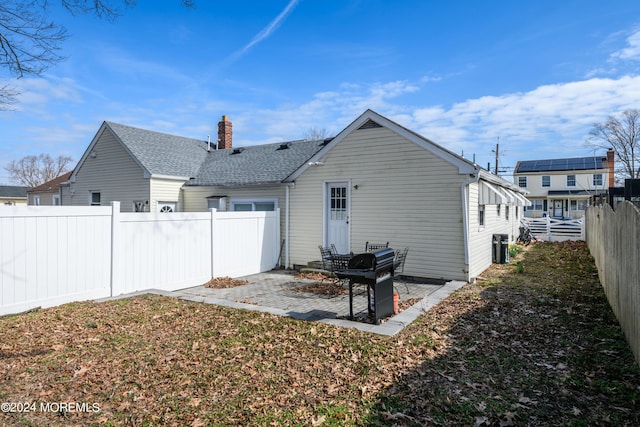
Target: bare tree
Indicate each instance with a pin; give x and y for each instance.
(30, 43)
(32, 171)
(315, 134)
(622, 134)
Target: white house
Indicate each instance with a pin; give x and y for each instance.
(561, 188)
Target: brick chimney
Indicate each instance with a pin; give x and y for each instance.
(224, 133)
(610, 165)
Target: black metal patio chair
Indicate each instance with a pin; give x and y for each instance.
(398, 262)
(332, 261)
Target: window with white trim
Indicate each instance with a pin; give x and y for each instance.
(481, 215)
(522, 181)
(254, 205)
(55, 199)
(36, 200)
(94, 198)
(578, 205)
(537, 205)
(546, 180)
(506, 212)
(571, 180)
(597, 180)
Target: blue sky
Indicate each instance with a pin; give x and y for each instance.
(534, 76)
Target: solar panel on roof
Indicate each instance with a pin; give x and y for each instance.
(551, 165)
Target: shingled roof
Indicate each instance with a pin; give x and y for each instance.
(13, 191)
(258, 164)
(161, 153)
(52, 185)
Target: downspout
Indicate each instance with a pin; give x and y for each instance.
(286, 224)
(465, 222)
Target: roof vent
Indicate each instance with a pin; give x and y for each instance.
(284, 146)
(369, 124)
(237, 150)
(326, 141)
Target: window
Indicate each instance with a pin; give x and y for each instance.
(571, 180)
(141, 206)
(36, 200)
(56, 199)
(578, 205)
(94, 199)
(517, 213)
(506, 213)
(597, 180)
(522, 181)
(338, 202)
(546, 180)
(537, 205)
(253, 205)
(481, 215)
(498, 210)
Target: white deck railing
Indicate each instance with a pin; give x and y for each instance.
(554, 229)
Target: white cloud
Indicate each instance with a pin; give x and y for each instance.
(36, 92)
(265, 32)
(632, 51)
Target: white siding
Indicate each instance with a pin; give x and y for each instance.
(194, 199)
(113, 173)
(405, 195)
(481, 237)
(558, 181)
(165, 190)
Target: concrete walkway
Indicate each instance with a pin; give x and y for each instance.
(275, 292)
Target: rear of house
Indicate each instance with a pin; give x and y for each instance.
(377, 181)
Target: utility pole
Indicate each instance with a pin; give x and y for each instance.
(497, 154)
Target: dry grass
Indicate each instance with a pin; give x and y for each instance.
(539, 347)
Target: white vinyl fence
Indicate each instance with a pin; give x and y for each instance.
(555, 230)
(51, 255)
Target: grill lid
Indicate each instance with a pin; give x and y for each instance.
(371, 260)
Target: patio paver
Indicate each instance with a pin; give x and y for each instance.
(275, 292)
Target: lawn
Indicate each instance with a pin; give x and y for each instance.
(532, 343)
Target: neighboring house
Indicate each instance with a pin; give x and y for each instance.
(47, 194)
(375, 181)
(143, 170)
(13, 195)
(561, 188)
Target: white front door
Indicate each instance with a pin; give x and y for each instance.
(557, 208)
(337, 216)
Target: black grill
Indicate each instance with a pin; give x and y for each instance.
(374, 269)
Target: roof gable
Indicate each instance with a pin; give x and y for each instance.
(158, 154)
(370, 119)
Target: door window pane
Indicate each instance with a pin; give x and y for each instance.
(338, 203)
